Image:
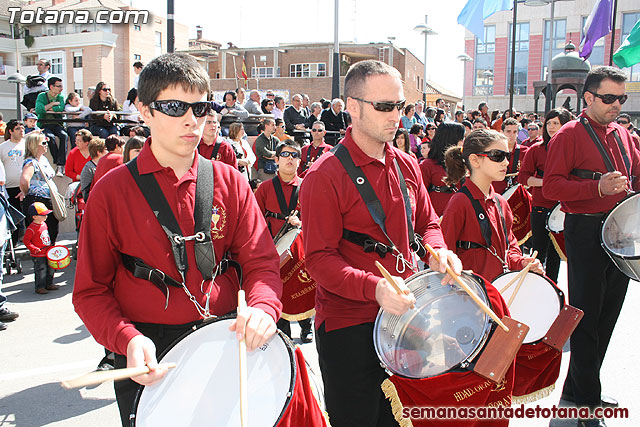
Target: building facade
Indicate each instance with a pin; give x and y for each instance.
(487, 77)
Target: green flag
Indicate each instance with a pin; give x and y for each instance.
(628, 54)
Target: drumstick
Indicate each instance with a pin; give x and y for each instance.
(511, 174)
(469, 291)
(242, 359)
(517, 276)
(390, 279)
(522, 274)
(99, 377)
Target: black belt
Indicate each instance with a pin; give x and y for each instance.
(441, 189)
(462, 244)
(369, 244)
(269, 214)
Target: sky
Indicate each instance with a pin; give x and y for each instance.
(259, 23)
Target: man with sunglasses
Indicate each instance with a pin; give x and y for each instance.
(135, 298)
(576, 174)
(311, 152)
(624, 120)
(350, 289)
(534, 136)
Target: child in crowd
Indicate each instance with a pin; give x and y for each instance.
(36, 239)
(30, 123)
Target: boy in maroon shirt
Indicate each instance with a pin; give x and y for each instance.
(36, 239)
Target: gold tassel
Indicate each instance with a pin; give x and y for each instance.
(532, 397)
(555, 245)
(297, 317)
(390, 392)
(520, 242)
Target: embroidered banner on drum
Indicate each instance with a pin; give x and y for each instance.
(299, 288)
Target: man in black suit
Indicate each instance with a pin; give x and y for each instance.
(334, 120)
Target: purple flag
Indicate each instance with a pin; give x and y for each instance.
(597, 26)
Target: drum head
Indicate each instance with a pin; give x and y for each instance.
(537, 304)
(555, 220)
(509, 192)
(203, 390)
(620, 233)
(445, 329)
(57, 253)
(286, 240)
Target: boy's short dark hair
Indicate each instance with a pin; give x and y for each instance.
(52, 81)
(113, 141)
(287, 143)
(138, 64)
(171, 69)
(509, 122)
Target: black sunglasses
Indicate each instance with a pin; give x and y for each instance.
(495, 155)
(532, 129)
(322, 130)
(384, 106)
(609, 98)
(293, 154)
(622, 122)
(106, 89)
(176, 108)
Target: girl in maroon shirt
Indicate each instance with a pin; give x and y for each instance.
(531, 174)
(485, 156)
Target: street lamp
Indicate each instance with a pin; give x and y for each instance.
(427, 31)
(464, 58)
(19, 80)
(488, 75)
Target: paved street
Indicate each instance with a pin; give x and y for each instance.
(48, 343)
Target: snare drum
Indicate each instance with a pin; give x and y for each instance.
(620, 235)
(555, 220)
(537, 304)
(445, 330)
(299, 289)
(519, 201)
(58, 257)
(204, 388)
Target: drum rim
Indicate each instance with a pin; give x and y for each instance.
(464, 364)
(54, 247)
(559, 292)
(604, 220)
(546, 222)
(288, 344)
(298, 230)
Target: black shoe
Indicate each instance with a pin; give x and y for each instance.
(2, 326)
(306, 337)
(605, 401)
(7, 315)
(598, 422)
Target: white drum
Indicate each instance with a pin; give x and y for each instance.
(555, 220)
(510, 191)
(285, 242)
(620, 235)
(537, 303)
(204, 388)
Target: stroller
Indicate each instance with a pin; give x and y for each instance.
(13, 219)
(75, 200)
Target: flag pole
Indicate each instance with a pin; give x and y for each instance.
(255, 65)
(235, 71)
(513, 54)
(613, 31)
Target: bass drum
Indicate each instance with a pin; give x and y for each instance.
(445, 330)
(620, 235)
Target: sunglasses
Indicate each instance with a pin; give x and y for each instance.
(622, 122)
(44, 142)
(106, 89)
(320, 130)
(176, 108)
(609, 98)
(384, 106)
(431, 128)
(532, 129)
(293, 154)
(495, 155)
(270, 103)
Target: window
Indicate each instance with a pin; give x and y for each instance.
(597, 54)
(158, 43)
(628, 21)
(559, 41)
(262, 72)
(56, 65)
(484, 62)
(522, 59)
(137, 28)
(29, 60)
(137, 57)
(308, 70)
(77, 60)
(79, 92)
(62, 29)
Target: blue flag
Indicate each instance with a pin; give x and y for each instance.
(598, 25)
(476, 11)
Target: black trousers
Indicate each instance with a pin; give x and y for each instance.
(541, 242)
(352, 376)
(597, 287)
(126, 390)
(285, 326)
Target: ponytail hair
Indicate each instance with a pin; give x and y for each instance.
(456, 158)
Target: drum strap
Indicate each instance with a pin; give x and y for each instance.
(216, 148)
(516, 157)
(441, 189)
(306, 163)
(540, 172)
(368, 195)
(608, 163)
(282, 202)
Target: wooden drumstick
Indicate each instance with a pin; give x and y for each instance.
(517, 276)
(390, 279)
(242, 359)
(99, 377)
(523, 275)
(469, 291)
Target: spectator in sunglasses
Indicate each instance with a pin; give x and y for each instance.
(430, 132)
(267, 106)
(104, 102)
(624, 120)
(534, 134)
(311, 152)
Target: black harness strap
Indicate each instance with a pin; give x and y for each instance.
(608, 163)
(483, 220)
(282, 202)
(516, 157)
(216, 148)
(306, 163)
(540, 172)
(586, 174)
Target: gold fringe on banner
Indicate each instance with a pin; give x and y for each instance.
(555, 245)
(390, 392)
(532, 397)
(297, 317)
(520, 242)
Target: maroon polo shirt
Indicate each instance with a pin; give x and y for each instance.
(330, 202)
(534, 162)
(434, 174)
(571, 148)
(315, 154)
(105, 164)
(459, 223)
(108, 298)
(225, 152)
(514, 166)
(267, 200)
(529, 142)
